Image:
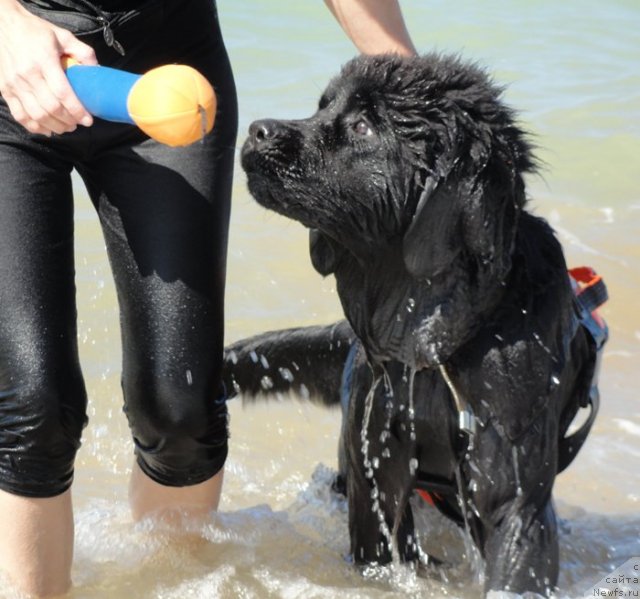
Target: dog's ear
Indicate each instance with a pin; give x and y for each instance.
(473, 212)
(431, 242)
(489, 216)
(325, 253)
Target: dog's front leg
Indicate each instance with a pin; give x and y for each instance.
(379, 483)
(522, 550)
(381, 524)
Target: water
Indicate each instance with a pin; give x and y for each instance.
(572, 71)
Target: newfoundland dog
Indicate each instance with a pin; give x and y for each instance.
(467, 349)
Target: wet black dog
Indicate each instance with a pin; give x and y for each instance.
(463, 360)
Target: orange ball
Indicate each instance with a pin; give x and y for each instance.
(174, 104)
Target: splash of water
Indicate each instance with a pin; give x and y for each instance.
(516, 468)
(369, 472)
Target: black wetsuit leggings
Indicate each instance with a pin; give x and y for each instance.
(164, 213)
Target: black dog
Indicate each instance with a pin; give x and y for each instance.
(467, 353)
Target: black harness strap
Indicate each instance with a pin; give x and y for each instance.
(450, 496)
(590, 294)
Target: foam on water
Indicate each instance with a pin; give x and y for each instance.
(302, 550)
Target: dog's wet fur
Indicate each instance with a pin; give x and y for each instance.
(410, 179)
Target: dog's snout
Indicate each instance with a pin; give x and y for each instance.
(264, 130)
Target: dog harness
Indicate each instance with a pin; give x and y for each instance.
(590, 293)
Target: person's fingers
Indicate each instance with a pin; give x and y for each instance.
(20, 114)
(32, 102)
(72, 46)
(73, 112)
(17, 110)
(84, 54)
(33, 81)
(57, 98)
(41, 108)
(43, 105)
(41, 111)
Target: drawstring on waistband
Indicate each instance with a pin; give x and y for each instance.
(109, 38)
(102, 17)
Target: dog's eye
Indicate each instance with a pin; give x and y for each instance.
(324, 102)
(362, 128)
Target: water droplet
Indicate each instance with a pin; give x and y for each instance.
(189, 377)
(286, 374)
(514, 455)
(411, 304)
(413, 466)
(386, 453)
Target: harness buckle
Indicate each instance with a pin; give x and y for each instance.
(467, 422)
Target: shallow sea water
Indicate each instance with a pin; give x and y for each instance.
(572, 72)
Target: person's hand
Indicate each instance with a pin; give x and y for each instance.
(32, 80)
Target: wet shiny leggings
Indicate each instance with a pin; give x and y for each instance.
(164, 213)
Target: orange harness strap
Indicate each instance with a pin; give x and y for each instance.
(590, 290)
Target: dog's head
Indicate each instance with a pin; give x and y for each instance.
(414, 156)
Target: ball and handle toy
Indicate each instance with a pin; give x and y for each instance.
(173, 104)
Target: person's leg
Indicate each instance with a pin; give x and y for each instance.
(42, 395)
(165, 214)
(170, 276)
(149, 498)
(36, 542)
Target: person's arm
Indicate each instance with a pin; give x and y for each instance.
(32, 81)
(374, 26)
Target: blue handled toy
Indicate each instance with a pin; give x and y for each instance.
(173, 104)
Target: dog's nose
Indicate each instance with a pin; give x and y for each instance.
(264, 130)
